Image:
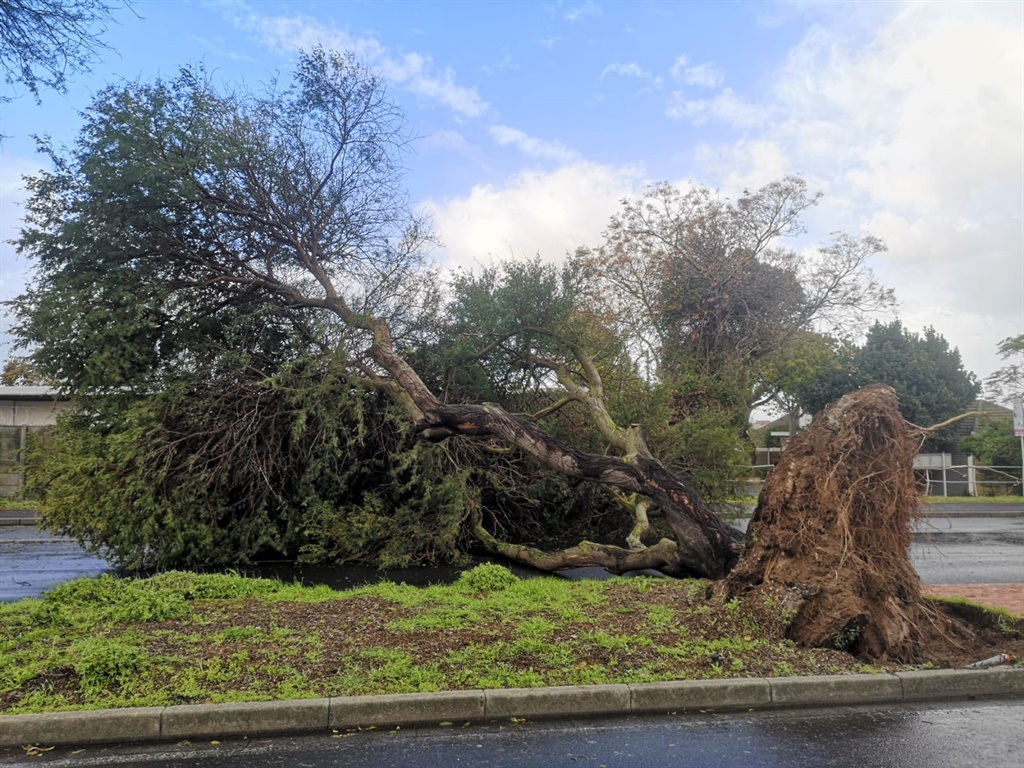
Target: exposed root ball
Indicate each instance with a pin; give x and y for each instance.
(830, 538)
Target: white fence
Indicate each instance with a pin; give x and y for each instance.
(937, 475)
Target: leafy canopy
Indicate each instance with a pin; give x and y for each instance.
(42, 41)
(926, 373)
(186, 224)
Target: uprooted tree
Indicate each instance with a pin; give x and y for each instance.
(207, 241)
(830, 537)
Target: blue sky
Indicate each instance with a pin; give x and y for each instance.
(535, 118)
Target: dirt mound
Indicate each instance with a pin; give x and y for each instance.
(830, 539)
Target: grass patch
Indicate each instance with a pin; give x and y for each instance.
(6, 503)
(982, 500)
(184, 638)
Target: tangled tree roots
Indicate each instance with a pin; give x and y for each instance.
(830, 538)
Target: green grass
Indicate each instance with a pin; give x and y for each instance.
(6, 503)
(973, 500)
(184, 638)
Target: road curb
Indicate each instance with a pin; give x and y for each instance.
(266, 718)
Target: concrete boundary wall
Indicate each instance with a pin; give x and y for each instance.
(173, 723)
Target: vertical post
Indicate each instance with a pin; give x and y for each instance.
(1018, 430)
(22, 444)
(972, 477)
(945, 486)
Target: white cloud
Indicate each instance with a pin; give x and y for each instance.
(550, 214)
(726, 106)
(532, 146)
(706, 75)
(912, 125)
(414, 71)
(580, 11)
(632, 69)
(445, 139)
(629, 69)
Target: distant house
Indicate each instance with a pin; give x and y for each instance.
(23, 411)
(770, 437)
(953, 473)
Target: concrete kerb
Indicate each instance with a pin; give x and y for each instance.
(194, 721)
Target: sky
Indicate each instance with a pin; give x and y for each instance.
(535, 119)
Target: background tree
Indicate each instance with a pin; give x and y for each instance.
(1007, 384)
(928, 375)
(806, 358)
(994, 443)
(703, 286)
(42, 42)
(19, 371)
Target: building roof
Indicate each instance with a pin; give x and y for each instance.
(29, 393)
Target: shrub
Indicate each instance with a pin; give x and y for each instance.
(487, 577)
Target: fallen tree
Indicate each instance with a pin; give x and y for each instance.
(210, 205)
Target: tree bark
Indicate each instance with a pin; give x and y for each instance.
(705, 546)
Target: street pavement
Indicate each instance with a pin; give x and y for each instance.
(972, 735)
(969, 550)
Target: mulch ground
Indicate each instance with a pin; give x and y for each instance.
(1009, 597)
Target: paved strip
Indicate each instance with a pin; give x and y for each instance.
(265, 718)
(1009, 597)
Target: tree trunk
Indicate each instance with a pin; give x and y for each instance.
(705, 546)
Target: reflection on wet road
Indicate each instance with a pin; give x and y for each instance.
(950, 546)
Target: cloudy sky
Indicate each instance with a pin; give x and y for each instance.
(536, 118)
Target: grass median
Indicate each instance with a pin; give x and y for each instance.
(186, 638)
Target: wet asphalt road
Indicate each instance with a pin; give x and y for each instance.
(977, 735)
(971, 550)
(32, 560)
(948, 548)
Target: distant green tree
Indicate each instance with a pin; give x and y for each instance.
(1007, 383)
(926, 373)
(994, 443)
(18, 371)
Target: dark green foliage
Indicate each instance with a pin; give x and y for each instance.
(696, 426)
(305, 463)
(994, 444)
(928, 376)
